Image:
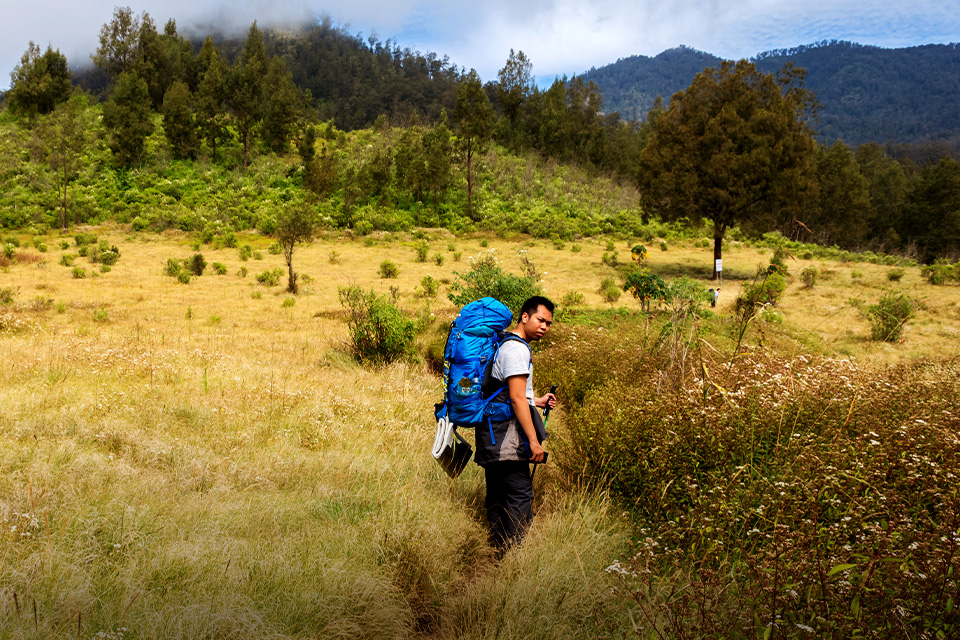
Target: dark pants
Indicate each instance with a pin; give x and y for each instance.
(509, 501)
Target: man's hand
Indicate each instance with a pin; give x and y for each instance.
(536, 451)
(547, 400)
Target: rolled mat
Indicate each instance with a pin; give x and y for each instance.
(450, 450)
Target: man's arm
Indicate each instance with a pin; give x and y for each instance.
(517, 387)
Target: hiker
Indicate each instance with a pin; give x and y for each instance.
(505, 449)
(716, 294)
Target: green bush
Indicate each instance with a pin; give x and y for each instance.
(173, 267)
(610, 258)
(429, 287)
(389, 269)
(79, 273)
(663, 245)
(139, 224)
(889, 315)
(66, 259)
(421, 249)
(197, 264)
(379, 332)
(270, 277)
(274, 249)
(573, 299)
(8, 294)
(288, 302)
(766, 291)
(101, 315)
(487, 278)
(939, 272)
(438, 259)
(896, 274)
(219, 268)
(808, 276)
(8, 251)
(245, 252)
(575, 248)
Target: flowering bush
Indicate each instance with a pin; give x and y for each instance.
(792, 497)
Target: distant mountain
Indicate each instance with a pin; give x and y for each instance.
(868, 94)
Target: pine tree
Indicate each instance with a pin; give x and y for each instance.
(178, 120)
(246, 88)
(126, 115)
(39, 83)
(474, 120)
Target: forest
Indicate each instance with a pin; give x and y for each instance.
(375, 137)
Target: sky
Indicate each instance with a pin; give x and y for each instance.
(560, 37)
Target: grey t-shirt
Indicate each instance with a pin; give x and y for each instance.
(513, 359)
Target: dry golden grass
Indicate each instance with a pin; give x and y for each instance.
(183, 461)
(198, 460)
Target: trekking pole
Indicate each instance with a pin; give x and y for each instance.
(546, 416)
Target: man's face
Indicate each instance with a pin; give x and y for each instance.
(536, 325)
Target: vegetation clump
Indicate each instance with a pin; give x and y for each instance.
(487, 278)
(379, 332)
(888, 317)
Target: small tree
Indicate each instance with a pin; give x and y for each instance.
(647, 287)
(295, 225)
(888, 316)
(127, 116)
(474, 117)
(61, 140)
(39, 83)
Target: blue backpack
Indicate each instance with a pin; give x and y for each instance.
(475, 337)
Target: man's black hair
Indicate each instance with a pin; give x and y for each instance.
(532, 304)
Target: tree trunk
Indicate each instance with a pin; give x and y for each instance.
(469, 182)
(718, 231)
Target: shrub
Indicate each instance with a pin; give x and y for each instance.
(804, 495)
(242, 272)
(379, 332)
(559, 244)
(274, 249)
(79, 273)
(457, 255)
(777, 264)
(429, 287)
(101, 315)
(572, 299)
(610, 245)
(173, 267)
(66, 259)
(484, 243)
(197, 264)
(270, 277)
(808, 276)
(451, 247)
(939, 272)
(84, 239)
(183, 277)
(256, 295)
(757, 294)
(333, 257)
(889, 315)
(139, 224)
(896, 274)
(856, 274)
(258, 255)
(64, 245)
(8, 294)
(103, 253)
(610, 258)
(288, 302)
(388, 269)
(421, 249)
(438, 259)
(40, 245)
(105, 268)
(575, 248)
(487, 278)
(219, 268)
(13, 241)
(663, 245)
(8, 251)
(245, 252)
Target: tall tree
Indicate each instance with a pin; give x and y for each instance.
(515, 85)
(734, 148)
(933, 219)
(474, 121)
(179, 124)
(119, 42)
(211, 96)
(126, 115)
(841, 213)
(282, 106)
(61, 138)
(246, 87)
(438, 154)
(39, 83)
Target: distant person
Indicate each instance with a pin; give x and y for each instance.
(514, 433)
(716, 294)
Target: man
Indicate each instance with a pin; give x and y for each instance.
(514, 431)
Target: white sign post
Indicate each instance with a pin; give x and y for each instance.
(719, 269)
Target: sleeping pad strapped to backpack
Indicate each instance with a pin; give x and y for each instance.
(475, 336)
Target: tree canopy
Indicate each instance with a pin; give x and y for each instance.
(735, 148)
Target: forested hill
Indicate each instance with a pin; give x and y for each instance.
(351, 80)
(869, 94)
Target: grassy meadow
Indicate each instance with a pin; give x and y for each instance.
(207, 460)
